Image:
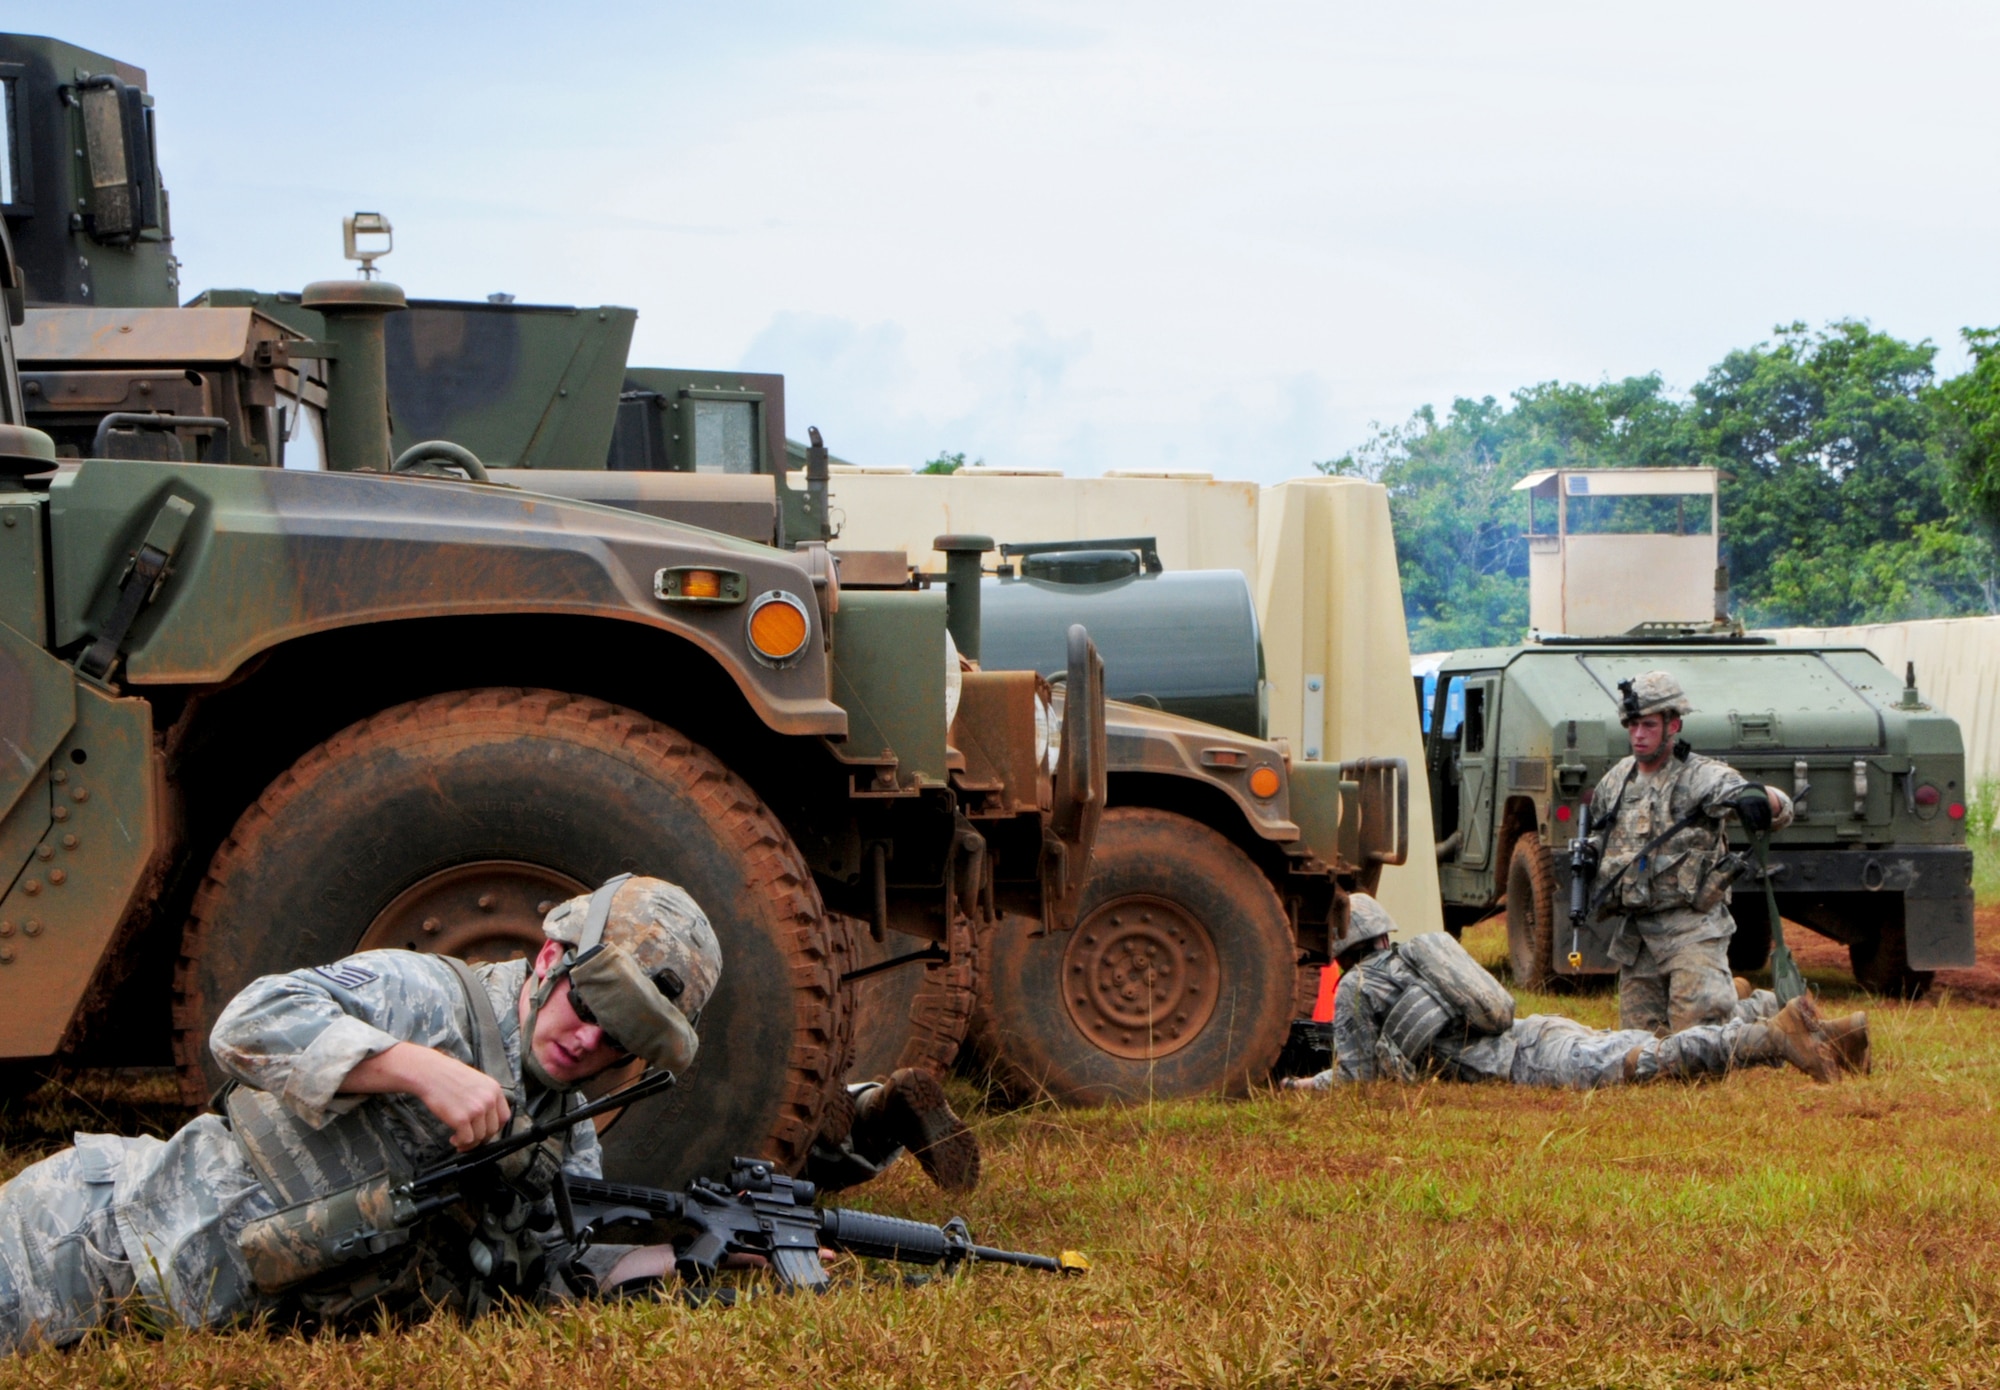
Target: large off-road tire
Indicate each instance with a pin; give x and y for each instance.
(913, 1015)
(377, 836)
(1882, 964)
(1179, 978)
(1531, 913)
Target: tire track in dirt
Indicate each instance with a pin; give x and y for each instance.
(1978, 985)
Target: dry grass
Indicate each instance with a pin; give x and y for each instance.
(1756, 1231)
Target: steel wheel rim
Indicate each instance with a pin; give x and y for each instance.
(486, 910)
(1141, 977)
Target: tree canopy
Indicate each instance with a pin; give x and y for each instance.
(1854, 486)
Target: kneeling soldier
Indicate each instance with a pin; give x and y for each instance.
(385, 1062)
(1425, 1008)
(1666, 869)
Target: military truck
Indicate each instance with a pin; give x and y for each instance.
(259, 717)
(1221, 862)
(1516, 738)
(541, 392)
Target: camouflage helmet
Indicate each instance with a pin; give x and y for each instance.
(1366, 919)
(659, 924)
(642, 961)
(1656, 692)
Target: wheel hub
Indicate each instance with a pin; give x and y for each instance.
(1140, 977)
(488, 910)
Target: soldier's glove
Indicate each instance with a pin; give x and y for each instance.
(1753, 804)
(532, 1171)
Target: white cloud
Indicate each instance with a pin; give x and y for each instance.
(1107, 234)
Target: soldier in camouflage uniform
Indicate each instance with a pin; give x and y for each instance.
(1426, 1009)
(386, 1046)
(1665, 867)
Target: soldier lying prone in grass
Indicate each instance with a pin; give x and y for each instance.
(1424, 1008)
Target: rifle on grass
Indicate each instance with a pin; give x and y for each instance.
(764, 1213)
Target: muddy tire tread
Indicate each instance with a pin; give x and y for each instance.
(820, 944)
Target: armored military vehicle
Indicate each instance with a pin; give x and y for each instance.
(260, 717)
(1517, 737)
(541, 394)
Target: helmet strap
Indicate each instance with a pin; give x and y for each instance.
(594, 921)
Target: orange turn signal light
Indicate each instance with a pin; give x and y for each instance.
(701, 584)
(778, 627)
(1264, 782)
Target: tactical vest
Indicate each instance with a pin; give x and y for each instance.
(346, 1241)
(1450, 994)
(1685, 863)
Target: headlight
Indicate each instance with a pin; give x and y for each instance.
(954, 682)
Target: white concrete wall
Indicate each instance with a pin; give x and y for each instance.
(1200, 523)
(1331, 604)
(1958, 670)
(1321, 561)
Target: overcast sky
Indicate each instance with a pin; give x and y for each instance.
(1095, 236)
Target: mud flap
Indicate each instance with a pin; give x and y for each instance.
(1937, 932)
(1081, 785)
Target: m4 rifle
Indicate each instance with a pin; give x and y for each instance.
(763, 1213)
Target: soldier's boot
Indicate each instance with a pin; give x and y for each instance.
(911, 1112)
(1744, 989)
(1792, 1036)
(1848, 1037)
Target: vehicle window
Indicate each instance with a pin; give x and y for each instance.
(1454, 703)
(725, 436)
(1475, 718)
(1672, 514)
(10, 146)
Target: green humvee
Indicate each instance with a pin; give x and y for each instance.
(542, 394)
(258, 717)
(1876, 858)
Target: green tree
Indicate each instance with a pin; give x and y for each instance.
(1970, 406)
(1460, 527)
(1835, 475)
(948, 463)
(1839, 502)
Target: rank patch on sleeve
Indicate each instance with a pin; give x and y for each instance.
(347, 974)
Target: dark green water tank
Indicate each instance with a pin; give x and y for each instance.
(1185, 642)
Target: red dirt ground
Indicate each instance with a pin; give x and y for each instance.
(1979, 985)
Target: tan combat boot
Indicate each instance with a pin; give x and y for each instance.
(911, 1112)
(1848, 1037)
(1795, 1033)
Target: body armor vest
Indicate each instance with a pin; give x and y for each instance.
(345, 1240)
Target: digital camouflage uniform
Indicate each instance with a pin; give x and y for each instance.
(1670, 905)
(147, 1228)
(1541, 1050)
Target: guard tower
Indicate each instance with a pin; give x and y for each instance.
(1610, 549)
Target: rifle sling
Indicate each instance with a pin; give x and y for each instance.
(1645, 851)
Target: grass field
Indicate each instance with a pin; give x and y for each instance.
(1756, 1231)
